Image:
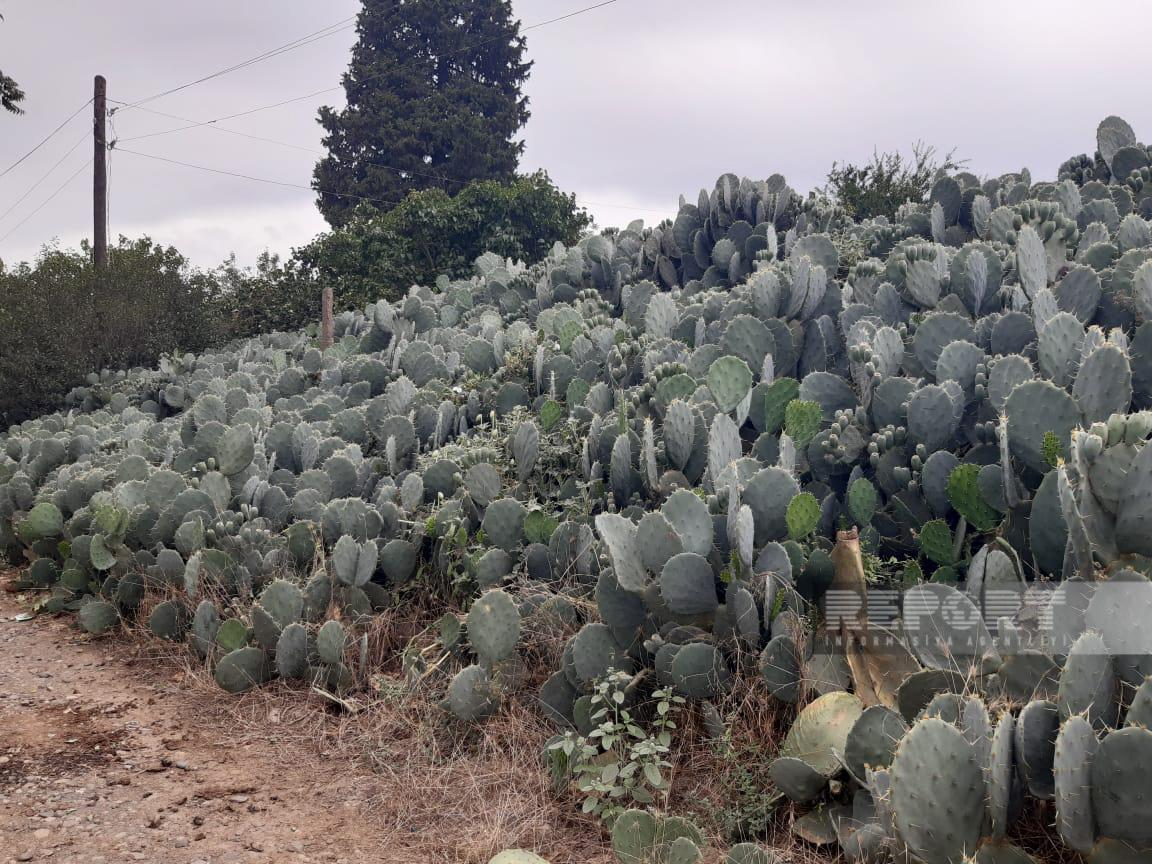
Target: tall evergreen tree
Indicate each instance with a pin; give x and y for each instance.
(434, 93)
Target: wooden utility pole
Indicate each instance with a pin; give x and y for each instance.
(100, 175)
(327, 328)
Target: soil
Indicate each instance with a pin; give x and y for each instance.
(111, 751)
(107, 757)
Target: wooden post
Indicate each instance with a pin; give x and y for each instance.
(327, 327)
(100, 175)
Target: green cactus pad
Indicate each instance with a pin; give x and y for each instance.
(768, 495)
(936, 542)
(231, 635)
(1109, 851)
(331, 642)
(873, 740)
(657, 541)
(699, 671)
(916, 691)
(98, 617)
(1001, 775)
(235, 449)
(43, 522)
(493, 626)
(470, 696)
(798, 780)
(1002, 853)
(1076, 746)
(688, 585)
(682, 850)
(1103, 384)
(938, 793)
(205, 624)
(1036, 731)
(503, 523)
(863, 501)
(292, 652)
(749, 853)
(1120, 800)
(1033, 408)
(634, 837)
(169, 620)
(802, 516)
(690, 519)
(619, 535)
(1140, 711)
(948, 630)
(965, 495)
(557, 698)
(780, 666)
(1088, 683)
(595, 651)
(729, 381)
(243, 669)
(820, 734)
(802, 421)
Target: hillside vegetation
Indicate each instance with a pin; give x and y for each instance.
(862, 504)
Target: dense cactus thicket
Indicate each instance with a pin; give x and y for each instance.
(897, 471)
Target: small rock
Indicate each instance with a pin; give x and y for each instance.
(24, 856)
(180, 842)
(238, 799)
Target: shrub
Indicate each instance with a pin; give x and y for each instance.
(276, 295)
(889, 180)
(381, 254)
(60, 325)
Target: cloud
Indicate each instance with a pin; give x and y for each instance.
(632, 104)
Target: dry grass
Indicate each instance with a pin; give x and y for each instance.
(448, 793)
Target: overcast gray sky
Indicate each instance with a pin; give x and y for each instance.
(632, 104)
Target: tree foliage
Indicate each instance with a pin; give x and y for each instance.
(879, 187)
(60, 327)
(10, 93)
(380, 255)
(433, 100)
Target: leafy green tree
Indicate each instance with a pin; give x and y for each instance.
(10, 93)
(275, 295)
(380, 255)
(889, 180)
(433, 100)
(61, 328)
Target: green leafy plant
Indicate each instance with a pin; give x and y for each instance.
(879, 187)
(749, 795)
(620, 762)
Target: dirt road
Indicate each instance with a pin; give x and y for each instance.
(111, 752)
(107, 757)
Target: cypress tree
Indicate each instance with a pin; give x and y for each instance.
(434, 93)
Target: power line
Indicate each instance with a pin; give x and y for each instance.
(480, 44)
(47, 201)
(325, 191)
(43, 177)
(318, 152)
(51, 135)
(301, 42)
(256, 179)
